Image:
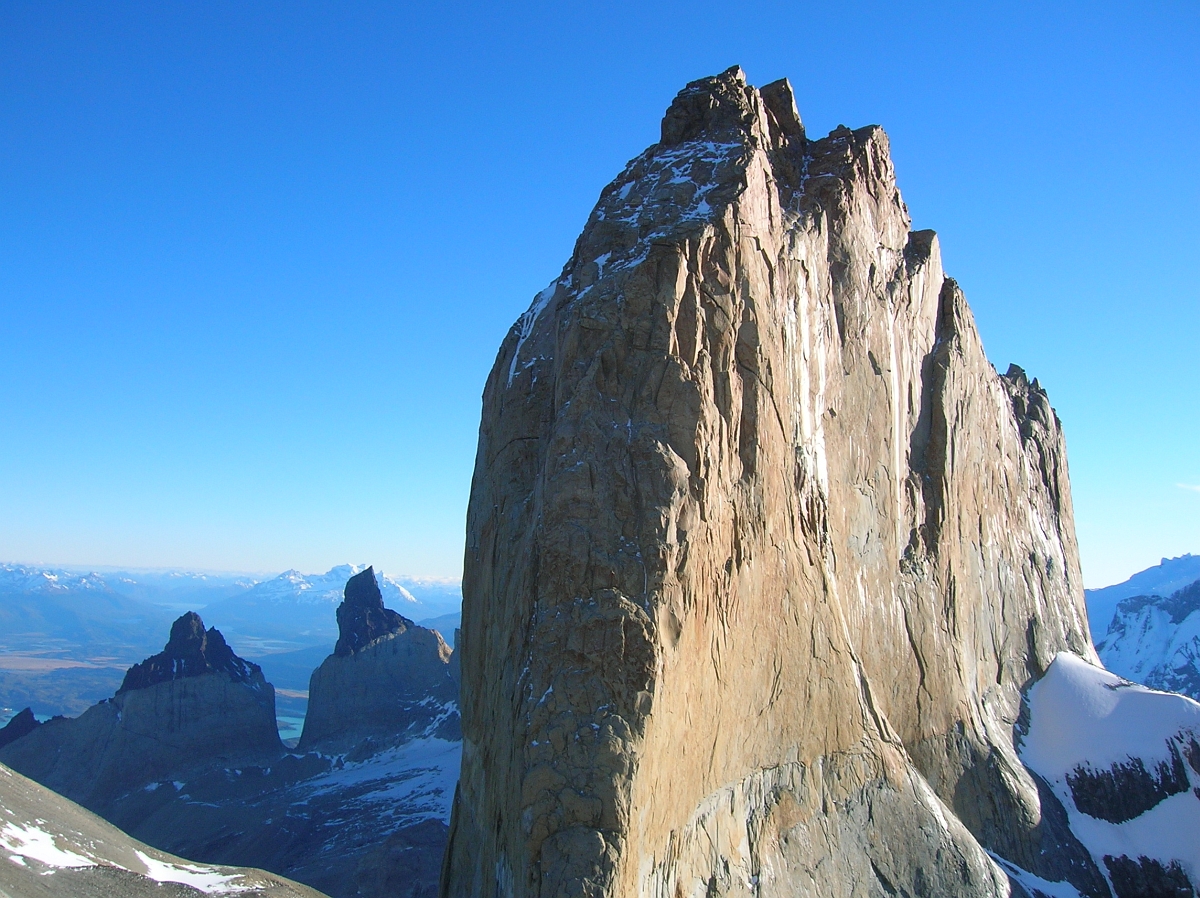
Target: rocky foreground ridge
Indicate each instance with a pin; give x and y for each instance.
(52, 848)
(762, 553)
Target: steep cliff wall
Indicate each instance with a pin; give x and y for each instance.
(761, 551)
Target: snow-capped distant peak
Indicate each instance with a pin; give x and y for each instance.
(20, 578)
(327, 588)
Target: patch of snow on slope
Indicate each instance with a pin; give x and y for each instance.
(411, 783)
(1084, 715)
(1035, 884)
(1085, 718)
(36, 844)
(526, 322)
(206, 879)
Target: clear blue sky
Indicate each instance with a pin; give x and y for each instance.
(256, 258)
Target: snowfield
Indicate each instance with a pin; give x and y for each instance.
(1093, 735)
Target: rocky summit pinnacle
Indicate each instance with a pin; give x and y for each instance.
(361, 616)
(191, 651)
(762, 553)
(22, 724)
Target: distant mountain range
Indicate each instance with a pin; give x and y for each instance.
(1155, 640)
(66, 636)
(1163, 579)
(295, 610)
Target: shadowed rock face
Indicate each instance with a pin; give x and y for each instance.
(761, 551)
(191, 651)
(362, 618)
(22, 724)
(1147, 878)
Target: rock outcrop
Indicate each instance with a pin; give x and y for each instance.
(22, 724)
(191, 651)
(761, 551)
(193, 703)
(388, 680)
(361, 616)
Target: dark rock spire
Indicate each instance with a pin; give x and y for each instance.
(362, 618)
(190, 652)
(21, 725)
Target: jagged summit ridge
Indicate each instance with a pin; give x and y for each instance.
(362, 617)
(191, 651)
(758, 543)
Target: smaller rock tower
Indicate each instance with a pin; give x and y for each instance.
(387, 681)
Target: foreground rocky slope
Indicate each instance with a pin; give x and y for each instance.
(1155, 640)
(52, 848)
(761, 551)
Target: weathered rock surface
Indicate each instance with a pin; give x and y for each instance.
(52, 848)
(388, 679)
(761, 551)
(194, 703)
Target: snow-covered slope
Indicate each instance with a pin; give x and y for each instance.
(1124, 761)
(1156, 641)
(52, 848)
(1164, 578)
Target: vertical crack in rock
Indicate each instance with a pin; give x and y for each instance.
(761, 551)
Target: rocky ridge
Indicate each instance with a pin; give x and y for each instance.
(52, 848)
(194, 702)
(761, 551)
(191, 651)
